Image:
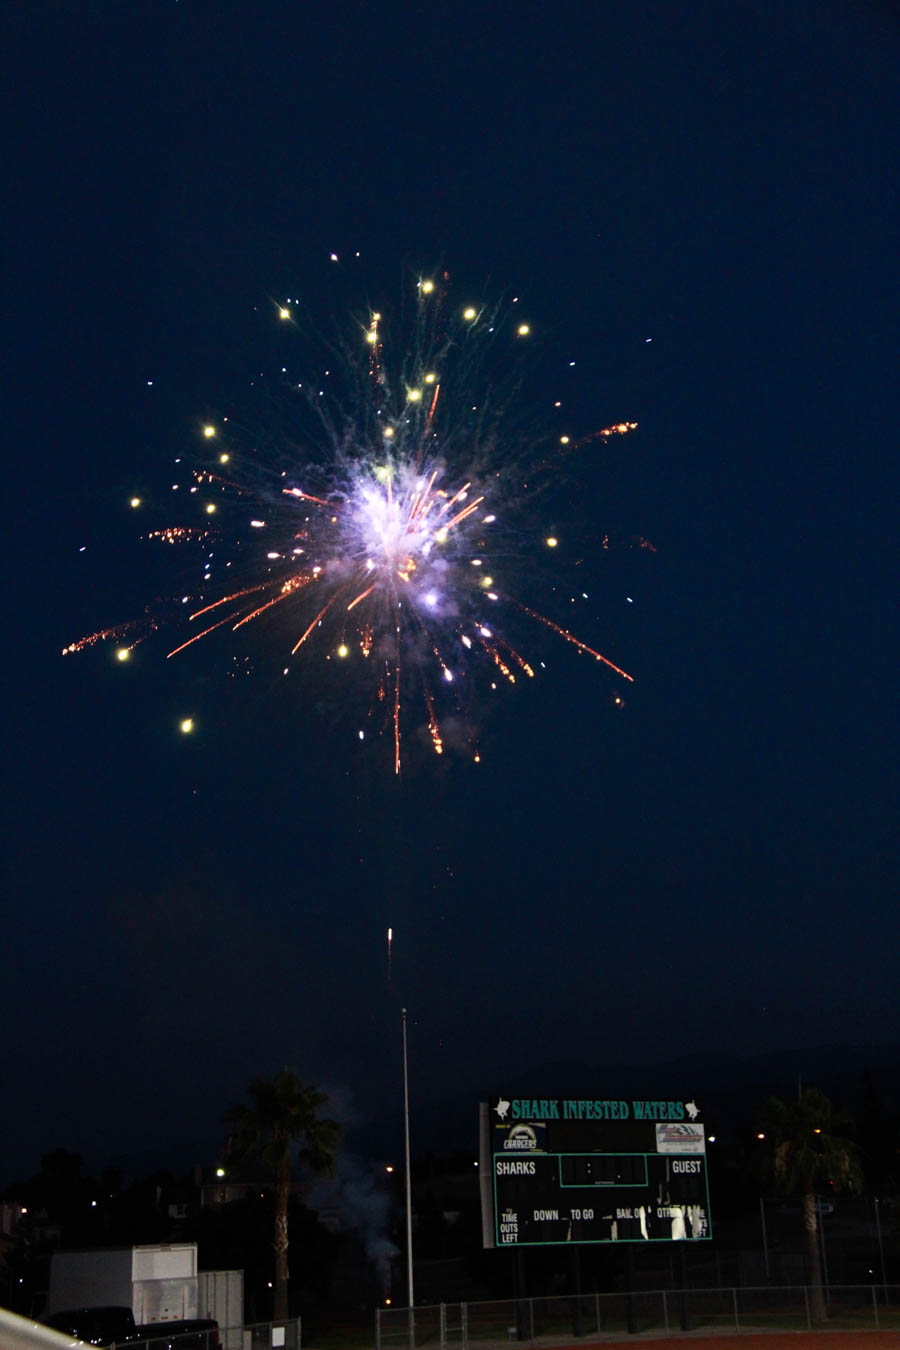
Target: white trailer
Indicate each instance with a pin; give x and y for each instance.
(158, 1282)
(221, 1296)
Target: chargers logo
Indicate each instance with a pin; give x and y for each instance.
(521, 1137)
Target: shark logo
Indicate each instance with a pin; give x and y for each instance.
(502, 1108)
(692, 1109)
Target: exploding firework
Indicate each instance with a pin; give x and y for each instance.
(380, 529)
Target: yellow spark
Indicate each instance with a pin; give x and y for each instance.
(430, 378)
(135, 502)
(371, 336)
(414, 395)
(551, 542)
(427, 287)
(487, 581)
(209, 431)
(524, 330)
(123, 654)
(187, 725)
(469, 313)
(564, 440)
(284, 312)
(388, 433)
(376, 317)
(343, 649)
(224, 458)
(441, 536)
(210, 508)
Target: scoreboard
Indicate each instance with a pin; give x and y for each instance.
(560, 1169)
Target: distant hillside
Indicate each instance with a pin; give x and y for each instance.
(730, 1091)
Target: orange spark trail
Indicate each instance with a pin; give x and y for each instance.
(118, 630)
(321, 614)
(355, 602)
(467, 511)
(198, 636)
(501, 642)
(446, 507)
(498, 661)
(433, 726)
(308, 497)
(582, 646)
(238, 595)
(287, 590)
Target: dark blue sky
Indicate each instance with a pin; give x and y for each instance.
(712, 868)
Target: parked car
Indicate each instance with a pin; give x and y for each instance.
(115, 1326)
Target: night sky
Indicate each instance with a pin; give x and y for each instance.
(711, 868)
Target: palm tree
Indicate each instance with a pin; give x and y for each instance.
(284, 1111)
(808, 1149)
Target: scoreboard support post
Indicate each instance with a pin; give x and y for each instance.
(575, 1284)
(630, 1311)
(683, 1288)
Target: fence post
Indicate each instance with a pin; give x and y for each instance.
(464, 1325)
(737, 1324)
(806, 1300)
(875, 1307)
(443, 1325)
(377, 1329)
(665, 1310)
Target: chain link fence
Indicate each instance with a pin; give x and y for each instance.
(600, 1316)
(270, 1336)
(257, 1336)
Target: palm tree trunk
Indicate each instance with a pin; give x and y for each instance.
(282, 1192)
(811, 1224)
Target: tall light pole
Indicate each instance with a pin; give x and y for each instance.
(409, 1251)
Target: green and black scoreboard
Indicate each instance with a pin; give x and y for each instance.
(561, 1169)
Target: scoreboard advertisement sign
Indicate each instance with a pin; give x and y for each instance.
(560, 1169)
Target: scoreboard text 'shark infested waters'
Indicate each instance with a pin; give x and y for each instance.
(557, 1170)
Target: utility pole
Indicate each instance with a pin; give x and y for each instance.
(409, 1250)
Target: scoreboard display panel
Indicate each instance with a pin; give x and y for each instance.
(559, 1169)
